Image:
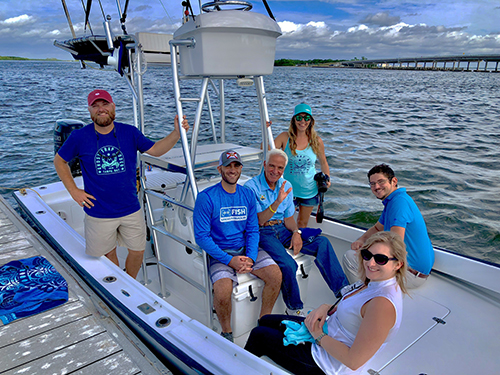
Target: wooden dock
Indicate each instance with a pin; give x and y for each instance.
(81, 336)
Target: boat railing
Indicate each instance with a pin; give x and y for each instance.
(158, 229)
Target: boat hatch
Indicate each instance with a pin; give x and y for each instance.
(420, 315)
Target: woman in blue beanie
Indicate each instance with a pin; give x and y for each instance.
(303, 147)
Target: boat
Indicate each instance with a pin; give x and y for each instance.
(449, 324)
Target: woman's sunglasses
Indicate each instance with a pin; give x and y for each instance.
(380, 259)
(300, 118)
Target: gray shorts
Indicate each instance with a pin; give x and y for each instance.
(102, 235)
(219, 270)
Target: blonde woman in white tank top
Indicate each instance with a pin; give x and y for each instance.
(358, 327)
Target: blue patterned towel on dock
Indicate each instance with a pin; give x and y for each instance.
(30, 286)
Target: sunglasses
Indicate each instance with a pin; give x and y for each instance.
(380, 259)
(300, 118)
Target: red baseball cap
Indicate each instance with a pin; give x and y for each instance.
(99, 94)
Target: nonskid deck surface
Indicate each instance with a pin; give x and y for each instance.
(82, 335)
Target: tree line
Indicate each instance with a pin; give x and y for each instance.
(292, 62)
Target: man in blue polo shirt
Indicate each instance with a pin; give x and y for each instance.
(279, 231)
(402, 216)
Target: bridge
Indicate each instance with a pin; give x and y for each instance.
(463, 63)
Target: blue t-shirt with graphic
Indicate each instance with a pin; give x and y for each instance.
(108, 163)
(225, 222)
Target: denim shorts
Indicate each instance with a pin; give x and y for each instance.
(306, 202)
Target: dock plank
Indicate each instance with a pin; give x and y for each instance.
(7, 238)
(43, 322)
(74, 357)
(56, 339)
(72, 338)
(117, 364)
(15, 254)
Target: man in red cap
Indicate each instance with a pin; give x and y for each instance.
(108, 157)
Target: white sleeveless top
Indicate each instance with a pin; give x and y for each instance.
(344, 324)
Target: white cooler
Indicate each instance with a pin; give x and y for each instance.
(247, 297)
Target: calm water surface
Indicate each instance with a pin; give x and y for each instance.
(438, 130)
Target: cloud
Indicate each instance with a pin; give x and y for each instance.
(381, 19)
(18, 21)
(318, 40)
(142, 7)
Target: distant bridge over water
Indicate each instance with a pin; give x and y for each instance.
(463, 63)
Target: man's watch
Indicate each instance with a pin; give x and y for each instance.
(297, 231)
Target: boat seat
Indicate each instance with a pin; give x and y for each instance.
(420, 315)
(164, 180)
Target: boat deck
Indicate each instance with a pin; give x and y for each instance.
(81, 336)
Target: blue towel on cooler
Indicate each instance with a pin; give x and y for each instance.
(297, 333)
(29, 286)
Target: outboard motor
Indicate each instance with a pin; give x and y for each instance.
(62, 130)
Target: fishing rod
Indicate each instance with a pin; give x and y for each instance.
(123, 15)
(70, 24)
(68, 18)
(87, 13)
(268, 10)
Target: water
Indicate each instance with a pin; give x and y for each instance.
(438, 130)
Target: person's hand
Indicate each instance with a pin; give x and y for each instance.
(296, 243)
(328, 184)
(269, 123)
(356, 245)
(282, 194)
(241, 264)
(316, 320)
(184, 124)
(82, 198)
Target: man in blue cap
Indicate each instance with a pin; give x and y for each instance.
(226, 227)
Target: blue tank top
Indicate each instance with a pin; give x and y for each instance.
(300, 171)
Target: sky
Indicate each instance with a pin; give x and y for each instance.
(324, 29)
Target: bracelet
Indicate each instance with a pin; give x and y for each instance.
(271, 209)
(318, 340)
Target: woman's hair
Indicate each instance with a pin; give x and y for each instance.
(398, 251)
(311, 135)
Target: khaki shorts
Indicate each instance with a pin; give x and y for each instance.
(102, 235)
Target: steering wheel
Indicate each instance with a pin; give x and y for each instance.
(215, 6)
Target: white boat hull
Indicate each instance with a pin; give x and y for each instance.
(449, 325)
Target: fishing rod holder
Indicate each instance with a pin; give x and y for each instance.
(107, 31)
